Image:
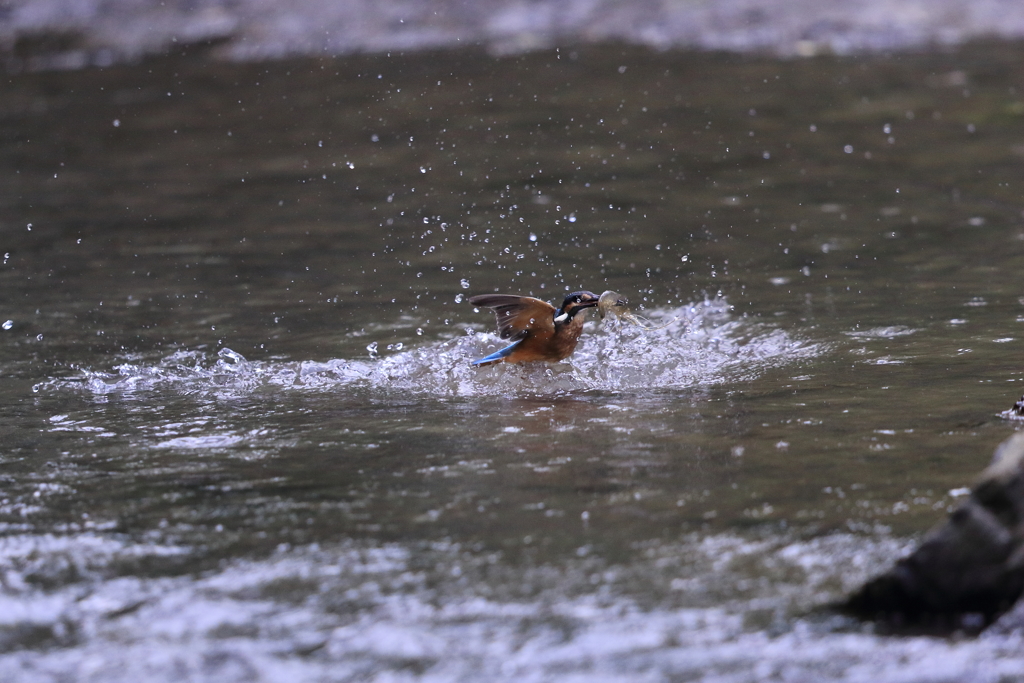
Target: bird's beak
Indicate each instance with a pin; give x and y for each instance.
(589, 303)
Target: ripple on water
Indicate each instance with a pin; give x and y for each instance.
(699, 344)
(365, 611)
(889, 332)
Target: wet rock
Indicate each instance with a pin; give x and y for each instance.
(969, 570)
(44, 34)
(1017, 411)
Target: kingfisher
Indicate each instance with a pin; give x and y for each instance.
(537, 329)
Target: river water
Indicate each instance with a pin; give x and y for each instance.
(242, 439)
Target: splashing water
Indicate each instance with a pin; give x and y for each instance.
(697, 344)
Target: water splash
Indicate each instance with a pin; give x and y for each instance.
(698, 344)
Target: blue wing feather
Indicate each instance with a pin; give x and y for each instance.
(497, 355)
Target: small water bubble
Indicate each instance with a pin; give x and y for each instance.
(8, 324)
(39, 337)
(464, 283)
(419, 331)
(458, 298)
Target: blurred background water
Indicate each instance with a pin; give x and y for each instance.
(242, 440)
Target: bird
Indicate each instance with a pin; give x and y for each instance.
(537, 329)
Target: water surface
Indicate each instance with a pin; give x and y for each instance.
(243, 440)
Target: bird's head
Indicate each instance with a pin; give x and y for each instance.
(573, 304)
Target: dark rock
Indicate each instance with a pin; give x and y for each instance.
(969, 570)
(1018, 408)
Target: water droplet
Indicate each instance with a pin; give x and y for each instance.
(419, 331)
(320, 143)
(117, 123)
(422, 170)
(533, 237)
(39, 337)
(350, 164)
(372, 348)
(8, 324)
(464, 283)
(458, 298)
(848, 149)
(887, 128)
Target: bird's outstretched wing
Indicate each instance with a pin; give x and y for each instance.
(517, 315)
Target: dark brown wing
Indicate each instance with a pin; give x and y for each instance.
(517, 314)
